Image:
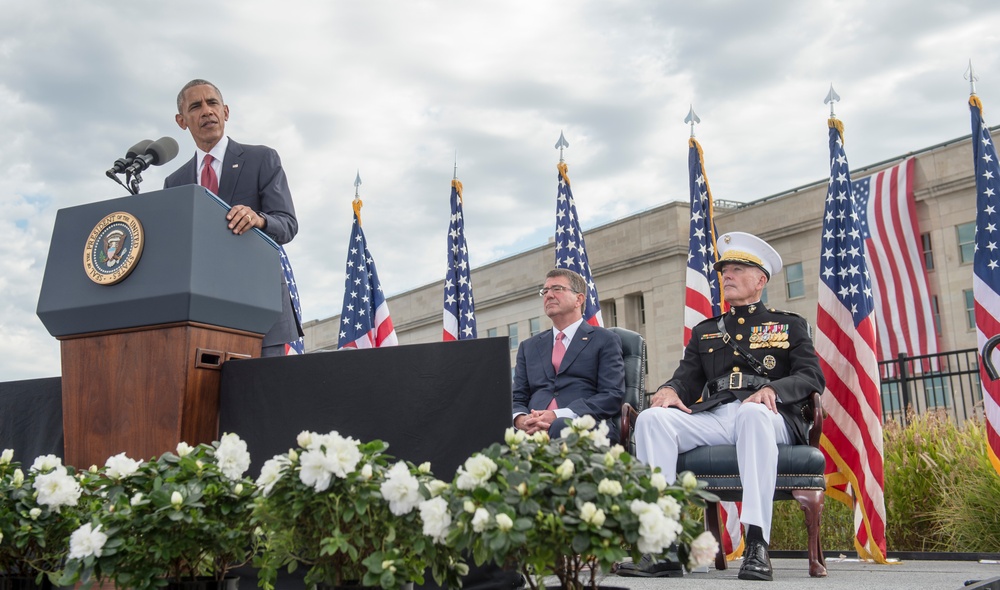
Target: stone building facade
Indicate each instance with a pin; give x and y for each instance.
(639, 266)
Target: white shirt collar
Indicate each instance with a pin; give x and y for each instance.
(218, 152)
(569, 332)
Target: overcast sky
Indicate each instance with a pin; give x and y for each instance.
(394, 89)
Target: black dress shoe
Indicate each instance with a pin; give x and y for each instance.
(756, 563)
(650, 568)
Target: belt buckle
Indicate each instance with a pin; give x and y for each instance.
(736, 381)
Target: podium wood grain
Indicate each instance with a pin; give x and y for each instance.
(143, 390)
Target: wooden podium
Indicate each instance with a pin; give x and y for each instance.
(144, 340)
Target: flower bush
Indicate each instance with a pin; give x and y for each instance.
(38, 511)
(182, 516)
(567, 506)
(348, 512)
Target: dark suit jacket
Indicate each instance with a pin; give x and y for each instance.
(794, 376)
(252, 175)
(591, 378)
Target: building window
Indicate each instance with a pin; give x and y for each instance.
(763, 295)
(925, 245)
(642, 310)
(936, 314)
(534, 325)
(970, 308)
(936, 392)
(491, 333)
(609, 313)
(795, 286)
(892, 405)
(512, 336)
(966, 241)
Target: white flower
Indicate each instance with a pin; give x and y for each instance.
(136, 499)
(688, 481)
(424, 467)
(504, 523)
(565, 471)
(86, 541)
(315, 472)
(670, 507)
(401, 489)
(238, 489)
(566, 431)
(1, 537)
(703, 550)
(45, 463)
(656, 531)
(589, 512)
(34, 513)
(513, 436)
(616, 451)
(293, 455)
(305, 438)
(342, 454)
(585, 422)
(541, 437)
(120, 466)
(232, 456)
(658, 481)
(609, 487)
(56, 489)
(436, 518)
(176, 499)
(478, 469)
(469, 506)
(271, 472)
(18, 478)
(184, 449)
(435, 487)
(366, 471)
(480, 520)
(6, 457)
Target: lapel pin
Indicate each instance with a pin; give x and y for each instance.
(584, 338)
(236, 165)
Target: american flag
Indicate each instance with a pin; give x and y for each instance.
(459, 306)
(845, 344)
(895, 263)
(986, 265)
(571, 252)
(364, 319)
(703, 299)
(297, 346)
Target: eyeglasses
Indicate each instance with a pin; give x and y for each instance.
(557, 289)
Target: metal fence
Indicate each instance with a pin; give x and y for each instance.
(947, 381)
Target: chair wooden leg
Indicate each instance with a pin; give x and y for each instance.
(811, 502)
(713, 522)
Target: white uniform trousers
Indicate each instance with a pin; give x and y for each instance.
(663, 433)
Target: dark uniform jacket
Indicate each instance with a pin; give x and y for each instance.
(780, 340)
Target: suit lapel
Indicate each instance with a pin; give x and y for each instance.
(545, 352)
(232, 165)
(580, 340)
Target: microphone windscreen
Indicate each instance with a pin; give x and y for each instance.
(163, 150)
(138, 149)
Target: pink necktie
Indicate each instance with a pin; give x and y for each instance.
(558, 352)
(208, 178)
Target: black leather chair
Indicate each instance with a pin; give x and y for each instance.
(800, 477)
(634, 351)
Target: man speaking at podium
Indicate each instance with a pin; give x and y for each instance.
(248, 177)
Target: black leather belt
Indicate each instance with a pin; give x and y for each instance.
(737, 381)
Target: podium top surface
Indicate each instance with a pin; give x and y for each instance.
(189, 267)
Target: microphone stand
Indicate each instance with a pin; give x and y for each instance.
(114, 177)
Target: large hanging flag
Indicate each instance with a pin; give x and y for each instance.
(986, 265)
(459, 306)
(298, 345)
(364, 318)
(571, 252)
(845, 345)
(896, 263)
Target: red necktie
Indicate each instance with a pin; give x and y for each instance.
(558, 352)
(208, 178)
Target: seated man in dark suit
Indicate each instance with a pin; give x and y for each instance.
(248, 177)
(573, 370)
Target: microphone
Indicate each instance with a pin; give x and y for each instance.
(157, 153)
(121, 164)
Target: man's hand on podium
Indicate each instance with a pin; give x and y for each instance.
(242, 219)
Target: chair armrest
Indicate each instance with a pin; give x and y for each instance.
(629, 414)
